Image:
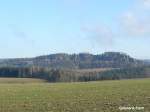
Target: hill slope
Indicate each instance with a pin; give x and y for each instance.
(76, 61)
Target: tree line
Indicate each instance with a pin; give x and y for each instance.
(62, 75)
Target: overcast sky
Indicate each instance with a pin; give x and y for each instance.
(37, 27)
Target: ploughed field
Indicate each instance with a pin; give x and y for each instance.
(102, 96)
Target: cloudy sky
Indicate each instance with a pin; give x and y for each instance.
(35, 27)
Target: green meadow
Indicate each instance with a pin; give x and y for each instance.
(101, 96)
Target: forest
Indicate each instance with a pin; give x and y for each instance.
(62, 75)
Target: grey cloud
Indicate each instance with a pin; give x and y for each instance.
(146, 3)
(135, 22)
(133, 25)
(100, 35)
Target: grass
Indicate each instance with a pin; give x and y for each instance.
(20, 80)
(93, 70)
(102, 96)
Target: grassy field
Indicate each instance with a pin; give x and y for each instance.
(93, 70)
(20, 80)
(104, 96)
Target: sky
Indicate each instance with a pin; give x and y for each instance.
(30, 28)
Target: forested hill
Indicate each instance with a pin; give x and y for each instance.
(76, 61)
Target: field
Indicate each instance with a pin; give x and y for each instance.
(102, 96)
(20, 80)
(93, 70)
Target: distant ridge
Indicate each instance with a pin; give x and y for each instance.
(76, 61)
